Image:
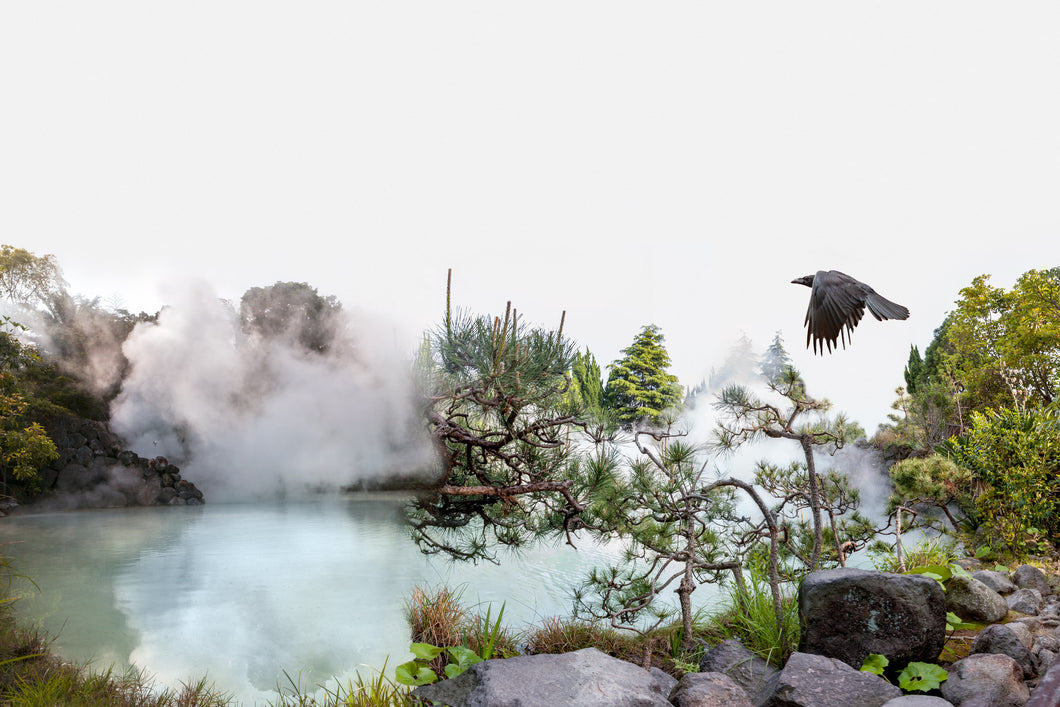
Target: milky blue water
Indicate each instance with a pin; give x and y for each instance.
(243, 593)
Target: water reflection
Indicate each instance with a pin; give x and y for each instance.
(243, 593)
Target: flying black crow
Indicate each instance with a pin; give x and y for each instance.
(837, 303)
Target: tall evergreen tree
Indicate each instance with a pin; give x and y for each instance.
(639, 386)
(913, 369)
(738, 367)
(587, 384)
(776, 359)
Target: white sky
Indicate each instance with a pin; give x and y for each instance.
(673, 163)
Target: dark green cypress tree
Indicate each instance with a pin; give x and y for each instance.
(587, 384)
(913, 369)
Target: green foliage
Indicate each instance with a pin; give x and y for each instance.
(796, 543)
(790, 413)
(938, 482)
(292, 311)
(939, 573)
(587, 387)
(638, 386)
(495, 407)
(1015, 455)
(875, 663)
(926, 406)
(25, 451)
(751, 618)
(377, 691)
(921, 677)
(925, 553)
(955, 623)
(996, 349)
(418, 671)
(915, 677)
(1005, 345)
(461, 659)
(25, 446)
(29, 279)
(492, 633)
(671, 526)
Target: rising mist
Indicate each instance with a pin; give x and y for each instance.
(257, 414)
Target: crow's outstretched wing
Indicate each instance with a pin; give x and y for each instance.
(837, 304)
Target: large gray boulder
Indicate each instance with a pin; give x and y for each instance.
(917, 701)
(587, 677)
(1030, 577)
(1026, 601)
(1000, 639)
(998, 581)
(665, 681)
(849, 613)
(731, 658)
(986, 679)
(974, 601)
(816, 681)
(709, 690)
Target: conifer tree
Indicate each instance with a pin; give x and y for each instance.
(639, 386)
(496, 409)
(776, 359)
(587, 385)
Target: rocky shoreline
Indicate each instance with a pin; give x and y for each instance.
(1012, 661)
(94, 471)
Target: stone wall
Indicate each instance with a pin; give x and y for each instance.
(94, 471)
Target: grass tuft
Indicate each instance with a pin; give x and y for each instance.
(435, 616)
(751, 619)
(925, 553)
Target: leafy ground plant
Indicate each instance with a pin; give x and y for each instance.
(418, 671)
(915, 677)
(921, 677)
(875, 664)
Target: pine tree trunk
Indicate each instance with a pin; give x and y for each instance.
(815, 500)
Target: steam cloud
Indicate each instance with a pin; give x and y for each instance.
(248, 416)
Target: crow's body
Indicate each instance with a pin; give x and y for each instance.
(837, 304)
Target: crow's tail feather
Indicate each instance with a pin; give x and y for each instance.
(883, 308)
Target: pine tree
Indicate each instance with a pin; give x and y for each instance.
(495, 408)
(639, 386)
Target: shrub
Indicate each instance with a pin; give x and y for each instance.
(1015, 453)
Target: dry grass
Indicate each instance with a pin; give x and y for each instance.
(435, 616)
(556, 635)
(561, 635)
